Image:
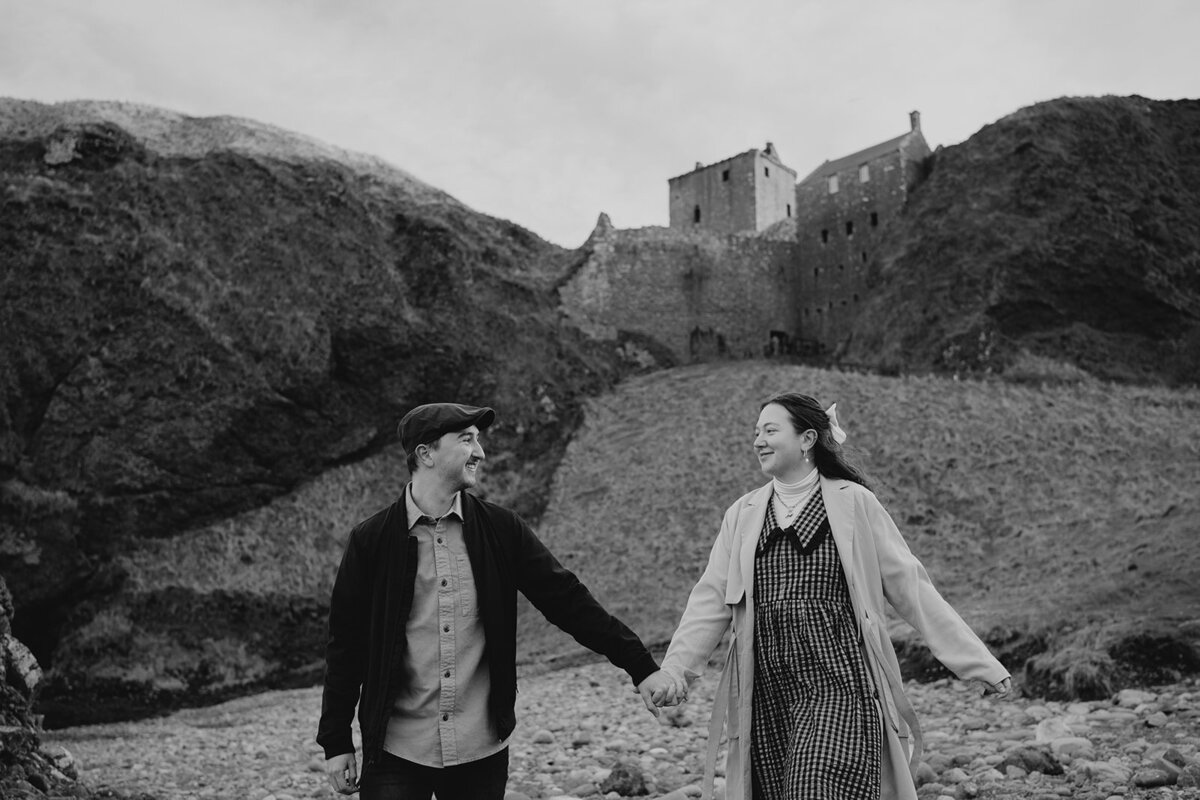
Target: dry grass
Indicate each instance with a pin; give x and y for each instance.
(291, 545)
(1035, 508)
(1068, 510)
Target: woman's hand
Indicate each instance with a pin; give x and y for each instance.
(660, 689)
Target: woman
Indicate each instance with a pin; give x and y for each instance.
(811, 688)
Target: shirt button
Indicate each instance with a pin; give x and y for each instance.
(446, 674)
(445, 717)
(439, 540)
(444, 581)
(445, 629)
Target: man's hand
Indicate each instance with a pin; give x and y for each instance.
(660, 689)
(998, 689)
(342, 772)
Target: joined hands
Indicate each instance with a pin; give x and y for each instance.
(661, 689)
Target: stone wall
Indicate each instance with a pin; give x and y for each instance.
(838, 234)
(702, 295)
(775, 190)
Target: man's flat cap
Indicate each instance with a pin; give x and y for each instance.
(427, 423)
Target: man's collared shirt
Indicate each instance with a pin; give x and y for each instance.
(441, 718)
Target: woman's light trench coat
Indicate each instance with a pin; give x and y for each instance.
(878, 565)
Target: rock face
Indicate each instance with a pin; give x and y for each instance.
(211, 326)
(1069, 230)
(199, 316)
(27, 770)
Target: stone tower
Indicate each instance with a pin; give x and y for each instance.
(748, 192)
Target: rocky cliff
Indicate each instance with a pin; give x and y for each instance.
(210, 327)
(1069, 230)
(199, 317)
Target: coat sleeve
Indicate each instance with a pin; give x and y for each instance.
(907, 587)
(345, 652)
(707, 615)
(565, 602)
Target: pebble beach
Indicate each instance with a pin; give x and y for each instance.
(582, 733)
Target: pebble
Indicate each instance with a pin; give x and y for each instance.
(582, 733)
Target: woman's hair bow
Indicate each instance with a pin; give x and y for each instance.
(838, 434)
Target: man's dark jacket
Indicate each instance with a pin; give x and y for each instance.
(372, 598)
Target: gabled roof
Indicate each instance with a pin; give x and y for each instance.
(861, 157)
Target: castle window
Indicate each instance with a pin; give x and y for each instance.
(841, 267)
(696, 214)
(789, 205)
(831, 305)
(816, 273)
(724, 174)
(833, 185)
(864, 256)
(850, 228)
(864, 173)
(856, 298)
(825, 236)
(874, 220)
(766, 172)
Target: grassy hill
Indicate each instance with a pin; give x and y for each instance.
(1060, 520)
(1068, 229)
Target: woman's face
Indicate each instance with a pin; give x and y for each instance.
(780, 448)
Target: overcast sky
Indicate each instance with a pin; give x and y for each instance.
(547, 112)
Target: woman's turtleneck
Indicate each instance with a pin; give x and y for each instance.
(789, 498)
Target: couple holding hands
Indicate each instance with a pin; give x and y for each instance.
(422, 626)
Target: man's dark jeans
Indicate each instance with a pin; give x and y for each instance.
(393, 778)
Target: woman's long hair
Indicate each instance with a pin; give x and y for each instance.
(806, 413)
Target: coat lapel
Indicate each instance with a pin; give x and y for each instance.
(749, 529)
(840, 510)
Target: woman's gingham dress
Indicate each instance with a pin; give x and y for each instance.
(816, 732)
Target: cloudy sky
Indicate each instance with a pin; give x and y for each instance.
(547, 112)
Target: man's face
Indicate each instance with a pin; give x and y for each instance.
(456, 456)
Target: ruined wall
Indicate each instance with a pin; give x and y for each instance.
(838, 232)
(703, 295)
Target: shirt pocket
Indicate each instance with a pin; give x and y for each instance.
(468, 597)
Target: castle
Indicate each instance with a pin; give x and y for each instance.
(753, 262)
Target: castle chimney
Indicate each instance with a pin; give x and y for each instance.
(914, 119)
(770, 149)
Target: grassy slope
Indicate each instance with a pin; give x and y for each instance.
(1030, 506)
(1068, 508)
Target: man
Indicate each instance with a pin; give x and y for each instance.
(422, 623)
